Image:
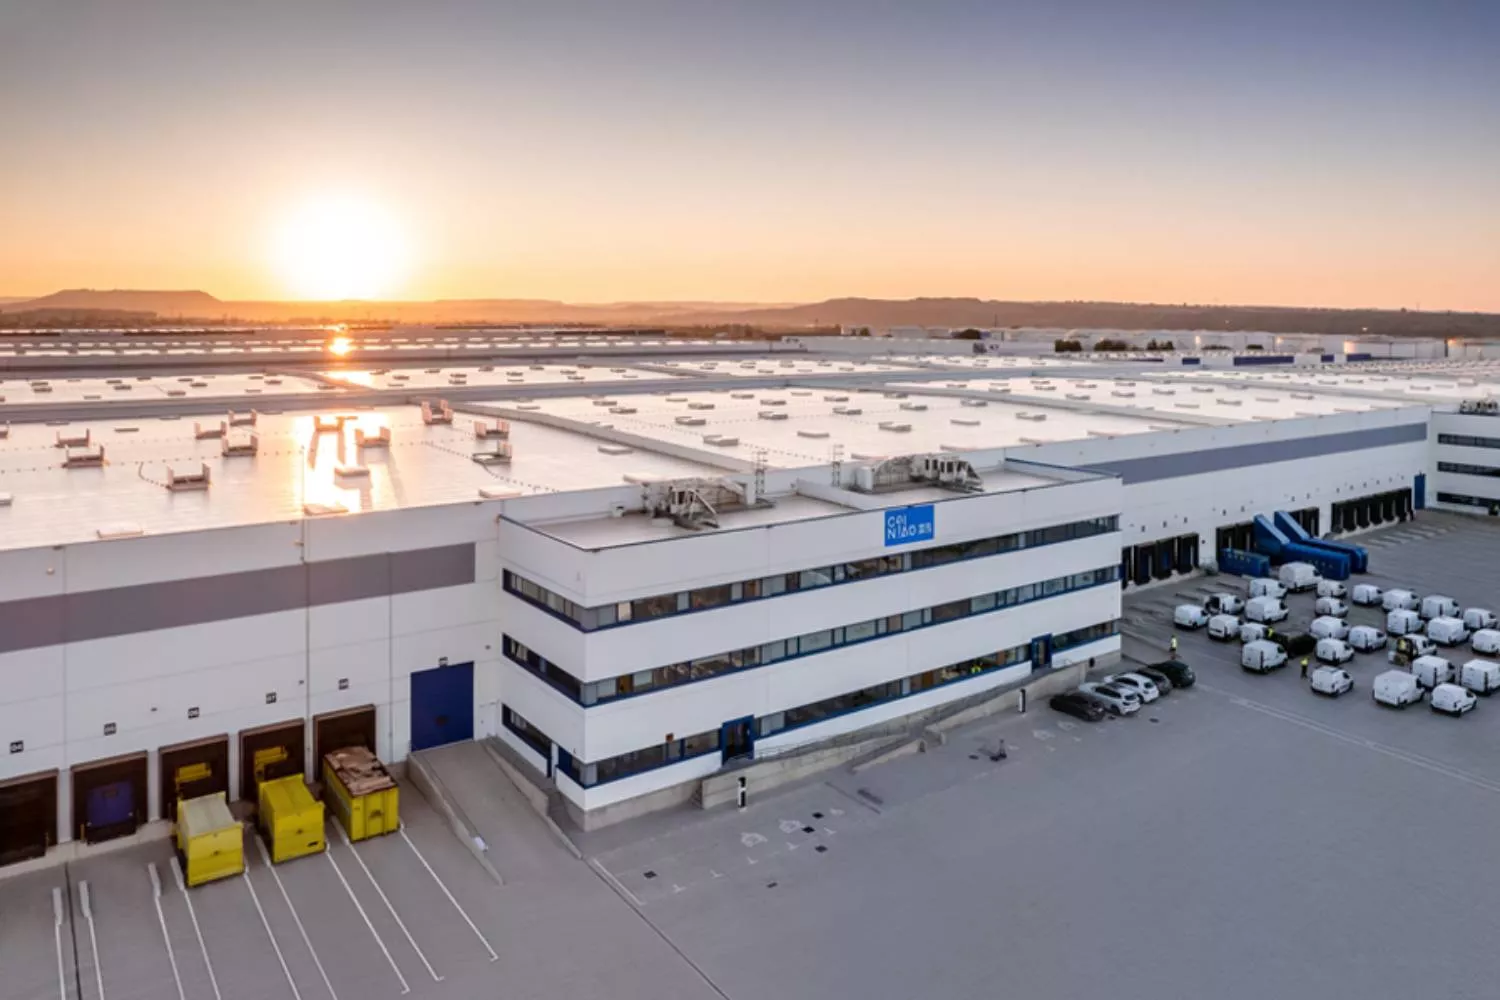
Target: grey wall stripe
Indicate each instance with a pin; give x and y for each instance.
(1191, 463)
(101, 614)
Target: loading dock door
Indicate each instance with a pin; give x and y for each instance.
(352, 727)
(188, 770)
(109, 798)
(28, 817)
(442, 706)
(273, 751)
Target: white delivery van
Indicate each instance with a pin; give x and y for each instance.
(1224, 604)
(1262, 656)
(1332, 588)
(1330, 606)
(1223, 627)
(1402, 621)
(1189, 616)
(1396, 688)
(1331, 681)
(1430, 671)
(1480, 676)
(1438, 606)
(1366, 638)
(1333, 651)
(1265, 609)
(1264, 586)
(1447, 631)
(1328, 627)
(1451, 699)
(1478, 618)
(1398, 600)
(1251, 631)
(1366, 594)
(1298, 576)
(1486, 640)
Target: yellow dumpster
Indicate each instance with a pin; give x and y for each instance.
(290, 818)
(209, 839)
(361, 792)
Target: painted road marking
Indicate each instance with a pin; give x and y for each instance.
(265, 858)
(57, 922)
(482, 940)
(161, 918)
(405, 987)
(182, 888)
(394, 915)
(85, 904)
(245, 874)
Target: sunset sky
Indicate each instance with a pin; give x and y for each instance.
(1299, 152)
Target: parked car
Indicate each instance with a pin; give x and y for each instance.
(1438, 606)
(1331, 681)
(1330, 606)
(1223, 604)
(1261, 656)
(1396, 688)
(1332, 588)
(1398, 600)
(1486, 640)
(1078, 706)
(1117, 700)
(1446, 631)
(1189, 616)
(1265, 609)
(1367, 638)
(1328, 627)
(1333, 651)
(1480, 676)
(1296, 643)
(1250, 631)
(1430, 671)
(1136, 684)
(1162, 681)
(1403, 621)
(1366, 595)
(1298, 576)
(1409, 648)
(1180, 673)
(1451, 699)
(1223, 628)
(1478, 618)
(1264, 586)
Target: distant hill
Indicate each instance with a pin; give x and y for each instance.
(164, 304)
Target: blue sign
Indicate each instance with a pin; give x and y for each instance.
(909, 524)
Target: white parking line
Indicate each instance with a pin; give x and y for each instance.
(57, 922)
(394, 915)
(482, 940)
(405, 988)
(182, 888)
(88, 914)
(161, 918)
(616, 884)
(267, 925)
(266, 858)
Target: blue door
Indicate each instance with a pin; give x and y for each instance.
(1041, 652)
(1419, 491)
(442, 706)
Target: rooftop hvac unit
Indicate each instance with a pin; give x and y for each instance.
(894, 426)
(895, 395)
(615, 449)
(73, 440)
(498, 431)
(243, 419)
(1164, 392)
(1485, 407)
(443, 414)
(182, 482)
(1034, 417)
(835, 399)
(83, 457)
(721, 440)
(977, 402)
(904, 470)
(914, 407)
(808, 432)
(1077, 396)
(41, 388)
(772, 401)
(622, 410)
(700, 406)
(695, 503)
(604, 402)
(328, 423)
(380, 439)
(690, 421)
(848, 411)
(771, 415)
(964, 421)
(240, 447)
(350, 470)
(498, 453)
(201, 433)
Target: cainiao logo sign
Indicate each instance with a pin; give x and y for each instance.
(909, 524)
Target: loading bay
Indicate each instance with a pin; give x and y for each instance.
(1240, 839)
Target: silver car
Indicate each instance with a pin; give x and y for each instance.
(1117, 700)
(1139, 685)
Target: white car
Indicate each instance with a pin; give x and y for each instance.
(1223, 628)
(1331, 588)
(1478, 618)
(1328, 627)
(1189, 616)
(1399, 600)
(1333, 651)
(1137, 684)
(1331, 681)
(1451, 699)
(1330, 606)
(1252, 632)
(1221, 603)
(1117, 700)
(1366, 595)
(1486, 640)
(1265, 586)
(1367, 638)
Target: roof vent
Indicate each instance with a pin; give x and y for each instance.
(808, 432)
(84, 458)
(964, 421)
(323, 509)
(615, 449)
(1034, 417)
(1124, 393)
(835, 399)
(120, 529)
(801, 392)
(243, 419)
(328, 423)
(915, 407)
(848, 411)
(498, 431)
(494, 493)
(999, 388)
(973, 402)
(1186, 406)
(895, 395)
(239, 447)
(720, 440)
(1164, 392)
(350, 470)
(181, 482)
(895, 427)
(1203, 388)
(677, 399)
(690, 421)
(742, 395)
(41, 388)
(380, 439)
(604, 402)
(443, 414)
(1077, 395)
(622, 410)
(123, 385)
(700, 406)
(498, 453)
(73, 440)
(772, 401)
(771, 415)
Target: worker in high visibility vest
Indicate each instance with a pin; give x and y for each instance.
(1174, 645)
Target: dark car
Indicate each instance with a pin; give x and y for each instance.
(1180, 674)
(1296, 643)
(1162, 681)
(1078, 705)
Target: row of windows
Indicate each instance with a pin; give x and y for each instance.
(704, 598)
(1468, 501)
(1469, 470)
(718, 664)
(662, 754)
(1468, 441)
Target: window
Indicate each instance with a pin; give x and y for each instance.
(653, 607)
(1468, 441)
(709, 597)
(1469, 470)
(529, 734)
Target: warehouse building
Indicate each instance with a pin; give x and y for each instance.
(634, 571)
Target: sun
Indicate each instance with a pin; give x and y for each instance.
(340, 247)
